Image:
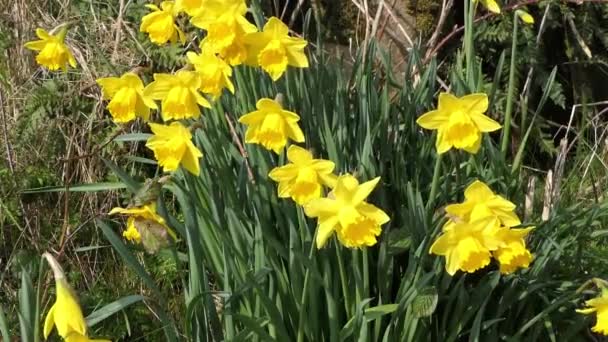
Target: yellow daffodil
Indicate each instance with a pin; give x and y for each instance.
(273, 49)
(459, 121)
(54, 54)
(213, 71)
(191, 7)
(179, 95)
(525, 17)
(144, 215)
(270, 126)
(65, 315)
(344, 211)
(467, 246)
(598, 305)
(481, 202)
(160, 24)
(512, 254)
(172, 146)
(491, 5)
(302, 178)
(226, 25)
(127, 99)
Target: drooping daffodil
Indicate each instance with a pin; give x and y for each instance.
(127, 99)
(53, 52)
(270, 126)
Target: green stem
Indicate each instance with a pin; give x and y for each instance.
(469, 16)
(305, 292)
(506, 134)
(344, 281)
(435, 183)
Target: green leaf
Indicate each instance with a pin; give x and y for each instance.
(4, 326)
(133, 137)
(130, 183)
(399, 241)
(425, 302)
(98, 316)
(91, 187)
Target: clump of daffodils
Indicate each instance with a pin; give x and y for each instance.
(479, 229)
(65, 315)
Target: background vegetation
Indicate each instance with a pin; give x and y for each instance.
(56, 137)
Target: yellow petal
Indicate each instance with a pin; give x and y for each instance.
(442, 144)
(373, 212)
(433, 119)
(525, 17)
(284, 173)
(298, 155)
(110, 86)
(325, 229)
(35, 45)
(478, 192)
(321, 207)
(295, 132)
(323, 166)
(49, 322)
(363, 190)
(276, 28)
(485, 123)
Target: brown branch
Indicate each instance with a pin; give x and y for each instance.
(457, 29)
(240, 146)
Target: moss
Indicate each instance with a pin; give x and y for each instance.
(426, 13)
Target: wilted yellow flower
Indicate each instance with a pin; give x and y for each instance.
(302, 178)
(512, 254)
(191, 7)
(65, 315)
(525, 17)
(273, 49)
(140, 216)
(213, 71)
(160, 24)
(271, 125)
(127, 99)
(344, 211)
(179, 95)
(491, 5)
(467, 246)
(54, 54)
(459, 121)
(225, 23)
(172, 146)
(598, 305)
(481, 202)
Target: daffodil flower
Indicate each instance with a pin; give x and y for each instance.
(54, 54)
(179, 94)
(191, 7)
(214, 72)
(512, 254)
(344, 211)
(302, 178)
(466, 245)
(65, 315)
(459, 121)
(160, 24)
(598, 305)
(226, 25)
(491, 5)
(127, 99)
(525, 17)
(172, 146)
(270, 126)
(273, 49)
(480, 202)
